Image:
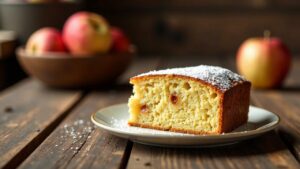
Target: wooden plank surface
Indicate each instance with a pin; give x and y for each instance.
(90, 148)
(76, 143)
(267, 151)
(29, 112)
(263, 152)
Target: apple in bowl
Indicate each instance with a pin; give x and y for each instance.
(45, 40)
(264, 61)
(120, 42)
(87, 33)
(84, 55)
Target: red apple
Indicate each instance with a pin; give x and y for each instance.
(45, 40)
(87, 33)
(264, 61)
(120, 42)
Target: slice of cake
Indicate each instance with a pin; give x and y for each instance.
(196, 100)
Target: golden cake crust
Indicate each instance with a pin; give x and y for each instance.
(230, 116)
(172, 129)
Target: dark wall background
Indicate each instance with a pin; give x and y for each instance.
(201, 27)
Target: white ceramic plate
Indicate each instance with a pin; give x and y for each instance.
(114, 120)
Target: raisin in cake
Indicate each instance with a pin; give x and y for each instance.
(197, 100)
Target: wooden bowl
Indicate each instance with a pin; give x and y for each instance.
(66, 71)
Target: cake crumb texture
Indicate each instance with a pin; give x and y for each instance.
(180, 100)
(173, 103)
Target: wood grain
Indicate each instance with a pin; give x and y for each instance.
(289, 113)
(29, 112)
(258, 153)
(94, 149)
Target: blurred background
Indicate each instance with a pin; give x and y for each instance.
(159, 28)
(202, 27)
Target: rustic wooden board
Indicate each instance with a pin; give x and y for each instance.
(29, 112)
(263, 152)
(44, 109)
(267, 151)
(92, 148)
(287, 106)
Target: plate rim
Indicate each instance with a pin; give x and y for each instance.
(258, 131)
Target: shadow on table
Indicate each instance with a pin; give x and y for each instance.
(289, 138)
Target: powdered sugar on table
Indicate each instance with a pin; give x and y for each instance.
(219, 77)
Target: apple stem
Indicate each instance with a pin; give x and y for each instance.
(267, 34)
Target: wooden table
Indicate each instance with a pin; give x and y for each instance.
(42, 127)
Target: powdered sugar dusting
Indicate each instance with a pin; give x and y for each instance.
(219, 77)
(73, 136)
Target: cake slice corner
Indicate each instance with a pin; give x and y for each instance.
(196, 100)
